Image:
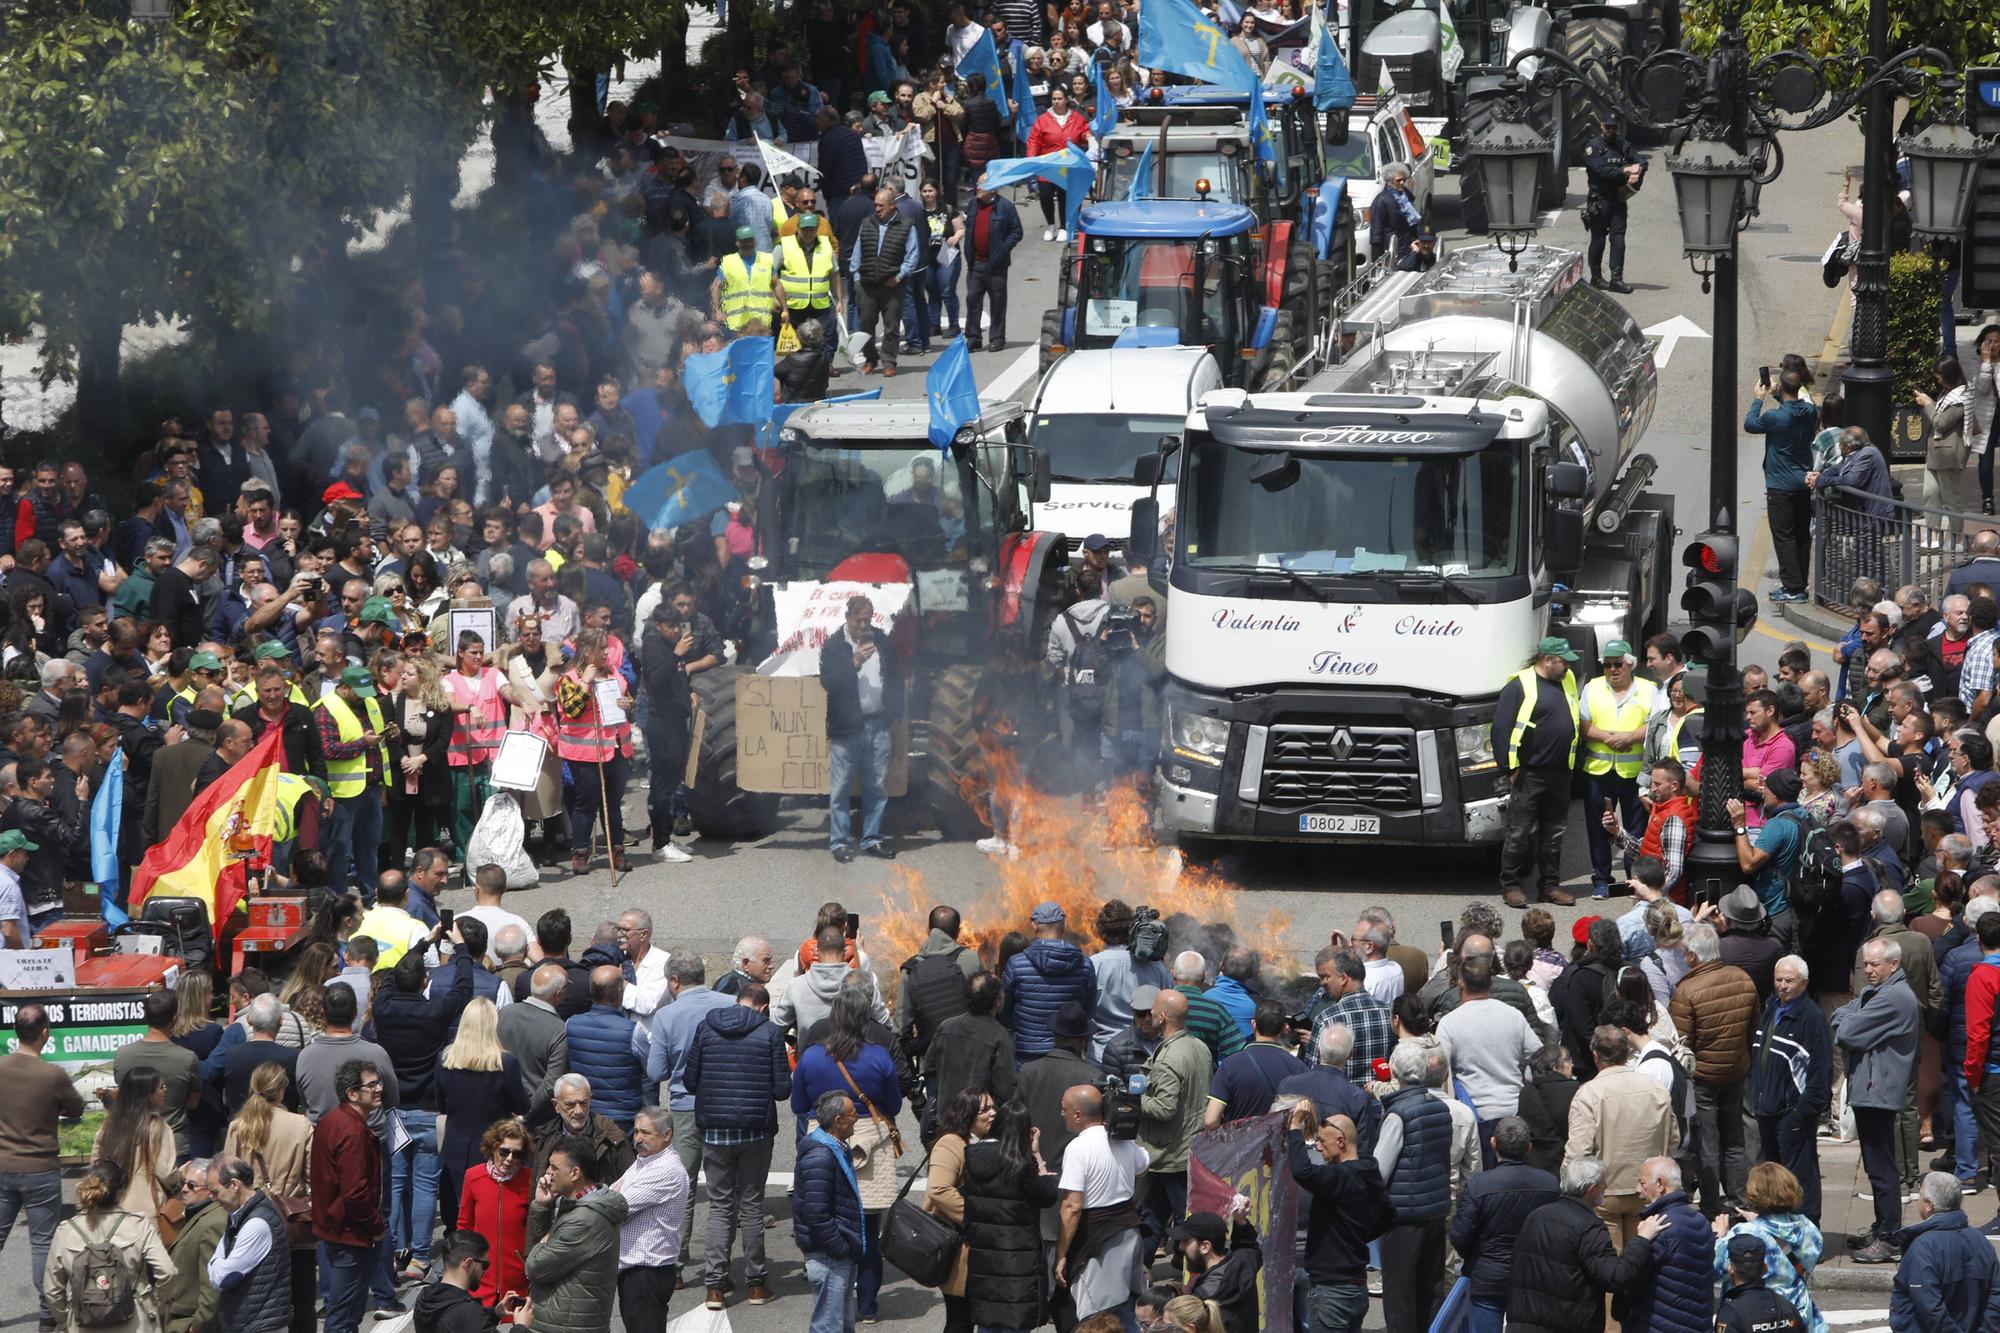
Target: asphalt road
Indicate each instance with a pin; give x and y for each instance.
(1283, 899)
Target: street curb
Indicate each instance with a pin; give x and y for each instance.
(1809, 616)
(1841, 1275)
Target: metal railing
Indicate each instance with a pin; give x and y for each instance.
(1898, 544)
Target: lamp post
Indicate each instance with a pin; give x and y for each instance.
(1725, 114)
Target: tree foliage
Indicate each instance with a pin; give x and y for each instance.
(1836, 31)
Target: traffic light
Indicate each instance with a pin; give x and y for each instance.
(1720, 614)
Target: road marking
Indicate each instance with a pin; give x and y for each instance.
(701, 1319)
(1553, 216)
(1018, 372)
(1670, 332)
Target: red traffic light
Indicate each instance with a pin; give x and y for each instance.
(1704, 556)
(1711, 553)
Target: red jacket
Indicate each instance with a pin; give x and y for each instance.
(1982, 989)
(345, 1150)
(1050, 135)
(499, 1212)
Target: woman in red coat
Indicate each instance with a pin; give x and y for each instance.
(494, 1202)
(1054, 130)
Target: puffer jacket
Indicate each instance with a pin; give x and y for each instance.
(1127, 1053)
(738, 1071)
(1949, 1278)
(1680, 1297)
(573, 1261)
(1715, 1008)
(1039, 980)
(1563, 1265)
(1792, 1247)
(1490, 1215)
(1952, 976)
(412, 1030)
(602, 1049)
(826, 1211)
(1003, 1238)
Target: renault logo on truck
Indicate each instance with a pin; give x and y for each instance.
(1341, 745)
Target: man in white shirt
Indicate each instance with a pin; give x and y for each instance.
(1382, 977)
(648, 987)
(15, 849)
(489, 888)
(1098, 1209)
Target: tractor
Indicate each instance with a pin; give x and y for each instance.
(859, 495)
(1197, 273)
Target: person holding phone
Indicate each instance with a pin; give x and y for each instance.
(1788, 424)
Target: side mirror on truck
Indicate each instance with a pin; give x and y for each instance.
(1039, 468)
(1143, 541)
(1563, 541)
(1568, 481)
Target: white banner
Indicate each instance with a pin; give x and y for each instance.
(779, 164)
(898, 158)
(702, 155)
(807, 613)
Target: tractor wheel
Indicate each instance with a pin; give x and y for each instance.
(715, 803)
(1555, 173)
(957, 781)
(1279, 357)
(1299, 270)
(1479, 113)
(1602, 42)
(1051, 335)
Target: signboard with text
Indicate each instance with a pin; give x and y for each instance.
(37, 969)
(86, 1029)
(781, 738)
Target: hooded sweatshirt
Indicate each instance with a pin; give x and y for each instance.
(810, 998)
(1039, 980)
(443, 1308)
(738, 1071)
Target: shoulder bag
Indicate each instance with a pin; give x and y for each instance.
(296, 1209)
(924, 1246)
(895, 1135)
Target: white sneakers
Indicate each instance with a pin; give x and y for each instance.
(672, 854)
(1048, 233)
(996, 847)
(1062, 234)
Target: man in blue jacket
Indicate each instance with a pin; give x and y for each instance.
(864, 697)
(1788, 425)
(1791, 1078)
(1041, 979)
(1949, 1280)
(826, 1215)
(1679, 1295)
(991, 234)
(607, 1047)
(737, 1069)
(1489, 1217)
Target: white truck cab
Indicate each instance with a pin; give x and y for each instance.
(1097, 412)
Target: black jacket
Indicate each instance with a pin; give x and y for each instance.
(1489, 1218)
(1563, 1265)
(1544, 1105)
(969, 1051)
(838, 676)
(1041, 1083)
(1578, 996)
(55, 839)
(1349, 1207)
(413, 1029)
(1232, 1284)
(1755, 1308)
(302, 752)
(443, 1308)
(1003, 1237)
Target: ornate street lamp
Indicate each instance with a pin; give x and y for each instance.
(1710, 180)
(1944, 157)
(1511, 156)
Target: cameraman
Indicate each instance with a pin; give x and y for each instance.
(1133, 666)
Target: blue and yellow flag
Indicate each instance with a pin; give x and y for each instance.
(1174, 35)
(1069, 171)
(954, 397)
(733, 385)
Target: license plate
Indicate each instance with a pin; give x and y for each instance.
(1352, 826)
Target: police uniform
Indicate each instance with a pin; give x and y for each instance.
(1536, 726)
(1604, 163)
(1613, 774)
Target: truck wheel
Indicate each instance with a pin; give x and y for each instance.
(1601, 41)
(718, 807)
(1555, 175)
(957, 782)
(1275, 366)
(1478, 114)
(1051, 335)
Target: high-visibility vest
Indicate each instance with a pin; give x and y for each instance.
(1690, 752)
(807, 279)
(1530, 693)
(476, 735)
(292, 788)
(299, 697)
(349, 777)
(1607, 714)
(580, 737)
(778, 213)
(746, 290)
(241, 696)
(185, 697)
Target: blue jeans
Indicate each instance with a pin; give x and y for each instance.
(1484, 1318)
(917, 321)
(1964, 1125)
(868, 1275)
(338, 833)
(833, 1294)
(347, 1269)
(413, 1194)
(1337, 1309)
(364, 823)
(40, 1193)
(1623, 793)
(870, 751)
(941, 290)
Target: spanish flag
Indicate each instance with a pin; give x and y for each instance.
(204, 856)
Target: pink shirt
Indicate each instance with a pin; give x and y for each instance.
(1767, 757)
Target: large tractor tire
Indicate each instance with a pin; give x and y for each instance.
(957, 782)
(1280, 356)
(719, 808)
(1479, 113)
(1600, 40)
(1555, 175)
(1051, 335)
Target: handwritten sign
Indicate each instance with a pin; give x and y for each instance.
(898, 159)
(37, 969)
(781, 738)
(807, 612)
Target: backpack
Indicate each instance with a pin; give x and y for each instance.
(103, 1292)
(937, 990)
(1149, 936)
(1084, 677)
(1681, 1094)
(1817, 878)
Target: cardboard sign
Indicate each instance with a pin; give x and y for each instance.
(781, 738)
(898, 159)
(807, 612)
(37, 969)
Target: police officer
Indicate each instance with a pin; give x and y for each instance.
(1614, 173)
(743, 291)
(810, 284)
(1536, 725)
(1616, 707)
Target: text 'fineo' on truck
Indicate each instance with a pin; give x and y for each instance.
(1359, 566)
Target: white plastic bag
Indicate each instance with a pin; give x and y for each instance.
(500, 839)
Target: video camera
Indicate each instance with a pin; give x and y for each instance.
(1121, 1108)
(1120, 627)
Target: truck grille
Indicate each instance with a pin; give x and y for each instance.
(1374, 766)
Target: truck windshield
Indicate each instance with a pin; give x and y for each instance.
(839, 502)
(1102, 446)
(1351, 159)
(1225, 182)
(1456, 515)
(1153, 284)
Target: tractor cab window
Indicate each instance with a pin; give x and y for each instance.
(1160, 284)
(844, 501)
(1222, 169)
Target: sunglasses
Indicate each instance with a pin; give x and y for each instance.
(510, 1152)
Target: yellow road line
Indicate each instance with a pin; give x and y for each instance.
(1747, 577)
(1817, 645)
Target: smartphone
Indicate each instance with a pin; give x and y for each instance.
(853, 925)
(1764, 376)
(1447, 932)
(445, 919)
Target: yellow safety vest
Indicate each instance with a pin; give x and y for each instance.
(1530, 692)
(807, 279)
(746, 290)
(1674, 737)
(1609, 715)
(291, 788)
(349, 777)
(778, 214)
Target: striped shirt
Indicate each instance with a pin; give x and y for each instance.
(1211, 1022)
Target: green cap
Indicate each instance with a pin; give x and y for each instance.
(1560, 647)
(13, 840)
(271, 650)
(1617, 648)
(877, 96)
(376, 610)
(808, 219)
(204, 662)
(358, 679)
(746, 233)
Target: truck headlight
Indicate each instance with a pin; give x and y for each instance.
(1475, 747)
(1197, 736)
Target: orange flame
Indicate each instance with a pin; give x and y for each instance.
(1079, 854)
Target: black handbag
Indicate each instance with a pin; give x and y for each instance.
(923, 1246)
